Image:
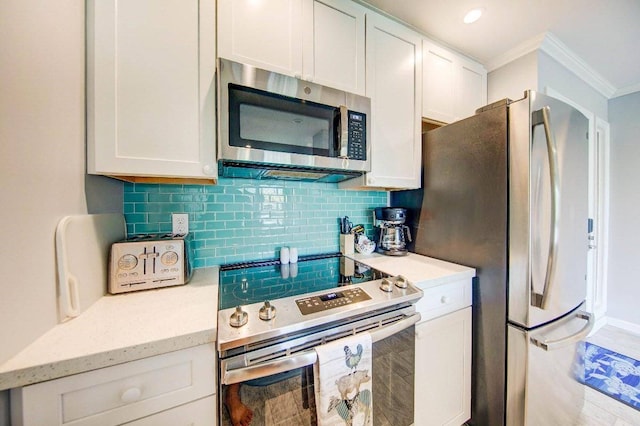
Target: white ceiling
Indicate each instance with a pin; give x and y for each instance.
(604, 34)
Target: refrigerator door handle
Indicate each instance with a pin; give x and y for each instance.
(550, 345)
(538, 117)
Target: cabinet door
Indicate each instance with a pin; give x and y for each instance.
(197, 413)
(439, 80)
(120, 393)
(151, 88)
(453, 86)
(472, 88)
(263, 33)
(443, 370)
(334, 44)
(394, 76)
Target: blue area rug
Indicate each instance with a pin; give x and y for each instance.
(613, 374)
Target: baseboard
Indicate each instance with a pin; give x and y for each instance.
(600, 322)
(625, 325)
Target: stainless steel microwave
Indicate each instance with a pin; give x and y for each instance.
(277, 126)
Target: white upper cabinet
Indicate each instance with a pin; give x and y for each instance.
(263, 33)
(317, 40)
(151, 89)
(438, 82)
(394, 75)
(454, 86)
(334, 44)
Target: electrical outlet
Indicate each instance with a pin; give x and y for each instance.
(180, 223)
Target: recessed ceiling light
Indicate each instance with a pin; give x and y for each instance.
(472, 16)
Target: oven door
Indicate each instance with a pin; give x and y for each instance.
(281, 391)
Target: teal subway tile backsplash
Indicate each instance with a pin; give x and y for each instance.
(245, 220)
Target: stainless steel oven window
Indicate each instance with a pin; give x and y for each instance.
(288, 398)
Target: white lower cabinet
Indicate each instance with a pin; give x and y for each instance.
(158, 389)
(197, 413)
(443, 357)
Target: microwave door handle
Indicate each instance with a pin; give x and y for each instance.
(538, 117)
(343, 133)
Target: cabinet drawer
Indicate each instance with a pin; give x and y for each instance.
(114, 395)
(445, 298)
(197, 413)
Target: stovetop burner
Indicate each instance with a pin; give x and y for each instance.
(247, 283)
(266, 303)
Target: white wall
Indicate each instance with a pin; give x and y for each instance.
(538, 71)
(624, 253)
(511, 80)
(42, 158)
(555, 75)
(42, 161)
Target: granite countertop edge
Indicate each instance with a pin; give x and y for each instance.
(55, 370)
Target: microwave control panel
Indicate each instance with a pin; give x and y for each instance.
(357, 149)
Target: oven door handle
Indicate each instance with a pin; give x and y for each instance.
(301, 359)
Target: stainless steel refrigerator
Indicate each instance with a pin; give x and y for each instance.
(505, 191)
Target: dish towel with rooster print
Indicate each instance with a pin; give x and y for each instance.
(343, 376)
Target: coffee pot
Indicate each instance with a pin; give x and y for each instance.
(392, 233)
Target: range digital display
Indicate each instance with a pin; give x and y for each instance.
(331, 296)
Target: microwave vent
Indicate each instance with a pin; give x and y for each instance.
(250, 170)
(294, 174)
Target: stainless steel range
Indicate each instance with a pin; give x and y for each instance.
(272, 316)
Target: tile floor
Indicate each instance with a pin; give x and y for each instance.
(602, 410)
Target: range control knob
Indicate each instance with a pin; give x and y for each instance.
(386, 285)
(401, 282)
(267, 311)
(238, 318)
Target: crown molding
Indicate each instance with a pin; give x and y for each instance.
(549, 44)
(561, 53)
(511, 55)
(627, 90)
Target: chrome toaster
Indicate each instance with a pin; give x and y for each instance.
(143, 262)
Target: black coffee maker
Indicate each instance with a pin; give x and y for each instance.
(392, 234)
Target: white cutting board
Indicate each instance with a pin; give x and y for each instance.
(83, 243)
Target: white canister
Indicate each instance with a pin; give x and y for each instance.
(284, 255)
(293, 255)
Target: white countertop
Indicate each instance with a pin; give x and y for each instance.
(422, 271)
(131, 326)
(121, 328)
